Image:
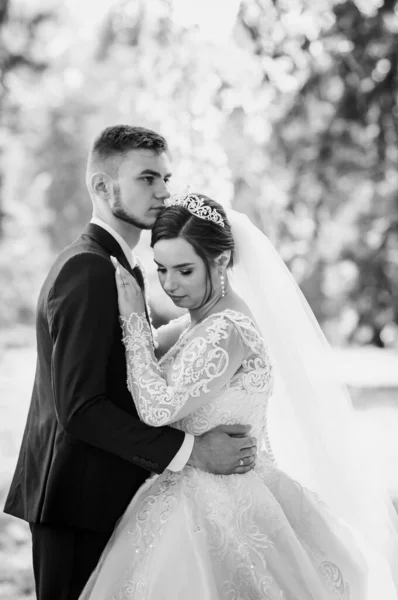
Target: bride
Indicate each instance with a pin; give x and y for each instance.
(198, 536)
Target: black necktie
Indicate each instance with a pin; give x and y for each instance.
(139, 277)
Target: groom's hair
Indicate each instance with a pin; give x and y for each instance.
(115, 142)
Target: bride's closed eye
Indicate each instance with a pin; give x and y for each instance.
(185, 272)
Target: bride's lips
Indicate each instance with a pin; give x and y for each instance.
(175, 297)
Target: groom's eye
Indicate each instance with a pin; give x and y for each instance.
(160, 270)
(148, 180)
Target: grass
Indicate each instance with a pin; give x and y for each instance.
(17, 363)
(372, 374)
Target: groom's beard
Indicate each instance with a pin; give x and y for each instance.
(121, 213)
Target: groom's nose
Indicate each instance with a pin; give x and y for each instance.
(162, 192)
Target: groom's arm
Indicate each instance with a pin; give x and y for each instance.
(83, 320)
(183, 455)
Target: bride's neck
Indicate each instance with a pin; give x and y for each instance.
(216, 303)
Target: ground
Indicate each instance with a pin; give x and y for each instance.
(372, 375)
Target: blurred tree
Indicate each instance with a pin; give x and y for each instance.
(62, 154)
(3, 18)
(19, 57)
(23, 253)
(334, 69)
(296, 112)
(292, 119)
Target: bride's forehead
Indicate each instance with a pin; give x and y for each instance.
(174, 251)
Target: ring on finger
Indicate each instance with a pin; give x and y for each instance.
(241, 462)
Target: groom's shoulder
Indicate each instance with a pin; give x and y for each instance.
(83, 245)
(82, 251)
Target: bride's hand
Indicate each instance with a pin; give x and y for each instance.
(130, 297)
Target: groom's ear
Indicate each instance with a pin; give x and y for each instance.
(101, 185)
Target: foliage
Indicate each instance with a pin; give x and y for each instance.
(292, 119)
(338, 139)
(24, 250)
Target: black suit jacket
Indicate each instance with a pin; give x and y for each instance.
(84, 451)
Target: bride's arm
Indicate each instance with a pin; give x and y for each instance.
(204, 366)
(201, 370)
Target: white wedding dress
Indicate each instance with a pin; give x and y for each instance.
(197, 536)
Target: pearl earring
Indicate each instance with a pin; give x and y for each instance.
(222, 279)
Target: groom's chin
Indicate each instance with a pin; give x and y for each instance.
(144, 225)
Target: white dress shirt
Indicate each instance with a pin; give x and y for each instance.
(182, 456)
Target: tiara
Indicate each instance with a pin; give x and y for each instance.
(197, 207)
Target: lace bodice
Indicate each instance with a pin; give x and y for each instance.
(257, 535)
(219, 371)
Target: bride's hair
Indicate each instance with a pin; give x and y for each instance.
(207, 238)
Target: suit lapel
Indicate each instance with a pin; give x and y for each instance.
(108, 242)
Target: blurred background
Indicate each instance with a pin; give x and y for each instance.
(285, 110)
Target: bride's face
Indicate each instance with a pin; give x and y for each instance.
(182, 273)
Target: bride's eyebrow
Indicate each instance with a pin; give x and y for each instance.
(180, 266)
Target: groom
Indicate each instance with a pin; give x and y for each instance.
(85, 452)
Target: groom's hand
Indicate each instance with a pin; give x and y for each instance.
(224, 450)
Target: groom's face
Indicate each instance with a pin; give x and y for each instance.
(141, 188)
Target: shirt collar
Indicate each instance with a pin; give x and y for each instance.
(131, 257)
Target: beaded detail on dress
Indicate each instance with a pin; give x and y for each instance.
(239, 537)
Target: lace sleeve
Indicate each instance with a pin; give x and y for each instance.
(204, 366)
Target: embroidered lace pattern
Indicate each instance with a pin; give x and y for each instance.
(201, 369)
(219, 371)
